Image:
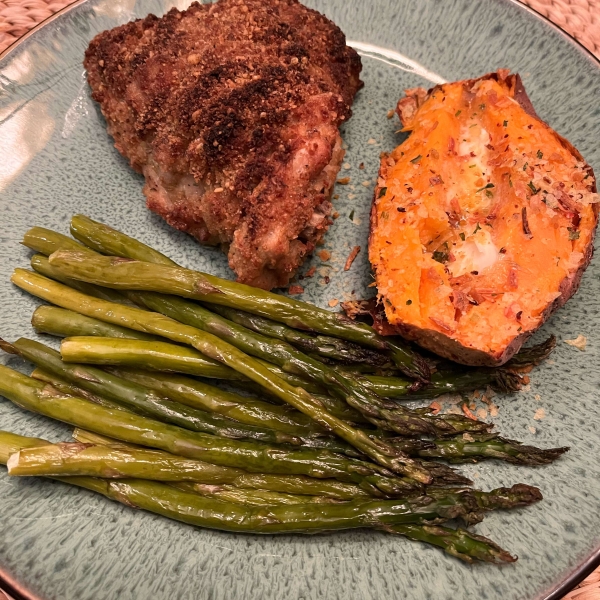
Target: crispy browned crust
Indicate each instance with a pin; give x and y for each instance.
(217, 105)
(436, 341)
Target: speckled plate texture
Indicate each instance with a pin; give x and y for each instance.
(56, 159)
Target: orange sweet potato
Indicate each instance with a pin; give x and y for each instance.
(482, 222)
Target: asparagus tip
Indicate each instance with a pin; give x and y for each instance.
(533, 356)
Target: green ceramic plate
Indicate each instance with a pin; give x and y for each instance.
(56, 159)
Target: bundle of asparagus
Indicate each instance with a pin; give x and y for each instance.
(324, 443)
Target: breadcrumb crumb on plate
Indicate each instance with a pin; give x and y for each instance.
(579, 342)
(351, 257)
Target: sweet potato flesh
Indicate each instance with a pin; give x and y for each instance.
(481, 219)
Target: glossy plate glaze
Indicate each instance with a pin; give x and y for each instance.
(56, 159)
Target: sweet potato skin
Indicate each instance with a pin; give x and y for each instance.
(433, 339)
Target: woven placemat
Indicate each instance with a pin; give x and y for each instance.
(580, 18)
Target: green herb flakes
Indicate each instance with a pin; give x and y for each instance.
(532, 187)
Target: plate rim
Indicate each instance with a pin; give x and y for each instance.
(585, 568)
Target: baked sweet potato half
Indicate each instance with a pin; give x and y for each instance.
(482, 222)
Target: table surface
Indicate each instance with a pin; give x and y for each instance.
(579, 18)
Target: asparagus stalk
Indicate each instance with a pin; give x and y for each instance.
(477, 447)
(310, 440)
(137, 398)
(11, 443)
(294, 313)
(77, 459)
(68, 459)
(153, 355)
(258, 458)
(244, 409)
(41, 265)
(45, 241)
(230, 493)
(165, 356)
(214, 348)
(69, 389)
(61, 322)
(286, 484)
(160, 356)
(206, 512)
(170, 357)
(445, 382)
(458, 543)
(387, 415)
(321, 345)
(96, 439)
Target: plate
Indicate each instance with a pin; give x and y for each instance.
(56, 159)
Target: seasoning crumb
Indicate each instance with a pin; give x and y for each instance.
(310, 272)
(372, 284)
(371, 141)
(336, 196)
(579, 342)
(361, 166)
(333, 302)
(324, 255)
(366, 183)
(351, 196)
(335, 215)
(295, 289)
(390, 113)
(468, 437)
(343, 180)
(347, 166)
(489, 392)
(482, 413)
(540, 413)
(468, 412)
(435, 407)
(353, 254)
(537, 398)
(532, 429)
